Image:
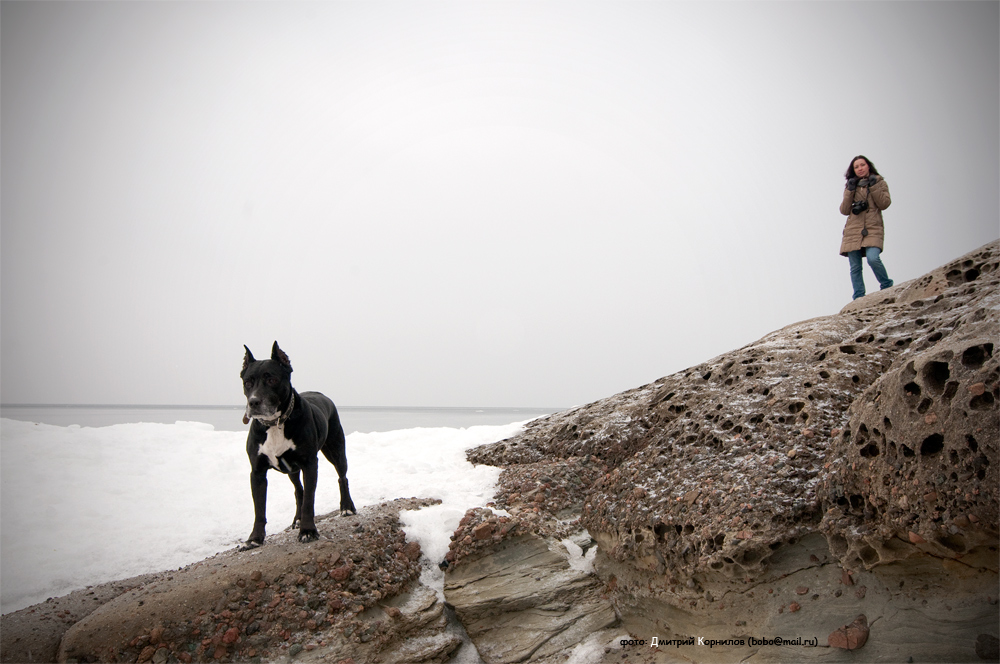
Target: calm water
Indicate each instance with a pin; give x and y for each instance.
(230, 418)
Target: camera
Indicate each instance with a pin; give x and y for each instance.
(858, 207)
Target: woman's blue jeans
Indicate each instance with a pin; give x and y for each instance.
(857, 280)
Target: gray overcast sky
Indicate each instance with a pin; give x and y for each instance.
(467, 204)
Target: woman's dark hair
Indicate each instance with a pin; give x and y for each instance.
(850, 167)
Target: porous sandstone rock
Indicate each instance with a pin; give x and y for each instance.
(861, 445)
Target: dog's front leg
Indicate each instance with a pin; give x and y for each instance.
(258, 489)
(294, 477)
(307, 523)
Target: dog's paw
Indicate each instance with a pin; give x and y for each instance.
(250, 545)
(347, 512)
(308, 535)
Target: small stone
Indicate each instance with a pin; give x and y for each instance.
(973, 518)
(850, 637)
(977, 389)
(639, 492)
(341, 573)
(295, 649)
(794, 606)
(791, 454)
(483, 531)
(930, 418)
(961, 521)
(256, 576)
(860, 592)
(915, 538)
(231, 635)
(930, 496)
(220, 653)
(412, 551)
(845, 578)
(801, 590)
(146, 654)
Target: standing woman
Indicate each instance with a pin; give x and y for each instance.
(865, 197)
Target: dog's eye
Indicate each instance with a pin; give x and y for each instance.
(272, 381)
(248, 383)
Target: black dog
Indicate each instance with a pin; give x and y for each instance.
(288, 432)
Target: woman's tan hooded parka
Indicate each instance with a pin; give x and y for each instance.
(877, 195)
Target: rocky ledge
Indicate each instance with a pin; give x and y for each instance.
(352, 596)
(836, 481)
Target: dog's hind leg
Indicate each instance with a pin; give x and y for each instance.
(296, 520)
(335, 454)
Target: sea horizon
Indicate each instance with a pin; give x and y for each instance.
(229, 417)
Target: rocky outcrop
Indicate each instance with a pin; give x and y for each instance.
(842, 466)
(354, 595)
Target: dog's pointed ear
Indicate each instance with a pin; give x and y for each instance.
(281, 357)
(247, 359)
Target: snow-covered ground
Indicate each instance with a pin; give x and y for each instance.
(82, 505)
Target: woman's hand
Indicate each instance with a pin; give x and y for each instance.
(852, 184)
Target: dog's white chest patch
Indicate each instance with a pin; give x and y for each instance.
(276, 444)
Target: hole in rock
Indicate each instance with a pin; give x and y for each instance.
(972, 443)
(935, 375)
(932, 445)
(824, 374)
(720, 539)
(954, 542)
(871, 450)
(912, 389)
(982, 402)
(857, 502)
(838, 545)
(971, 275)
(751, 556)
(888, 423)
(925, 406)
(855, 379)
(869, 555)
(907, 452)
(717, 564)
(950, 389)
(974, 356)
(688, 529)
(848, 350)
(660, 529)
